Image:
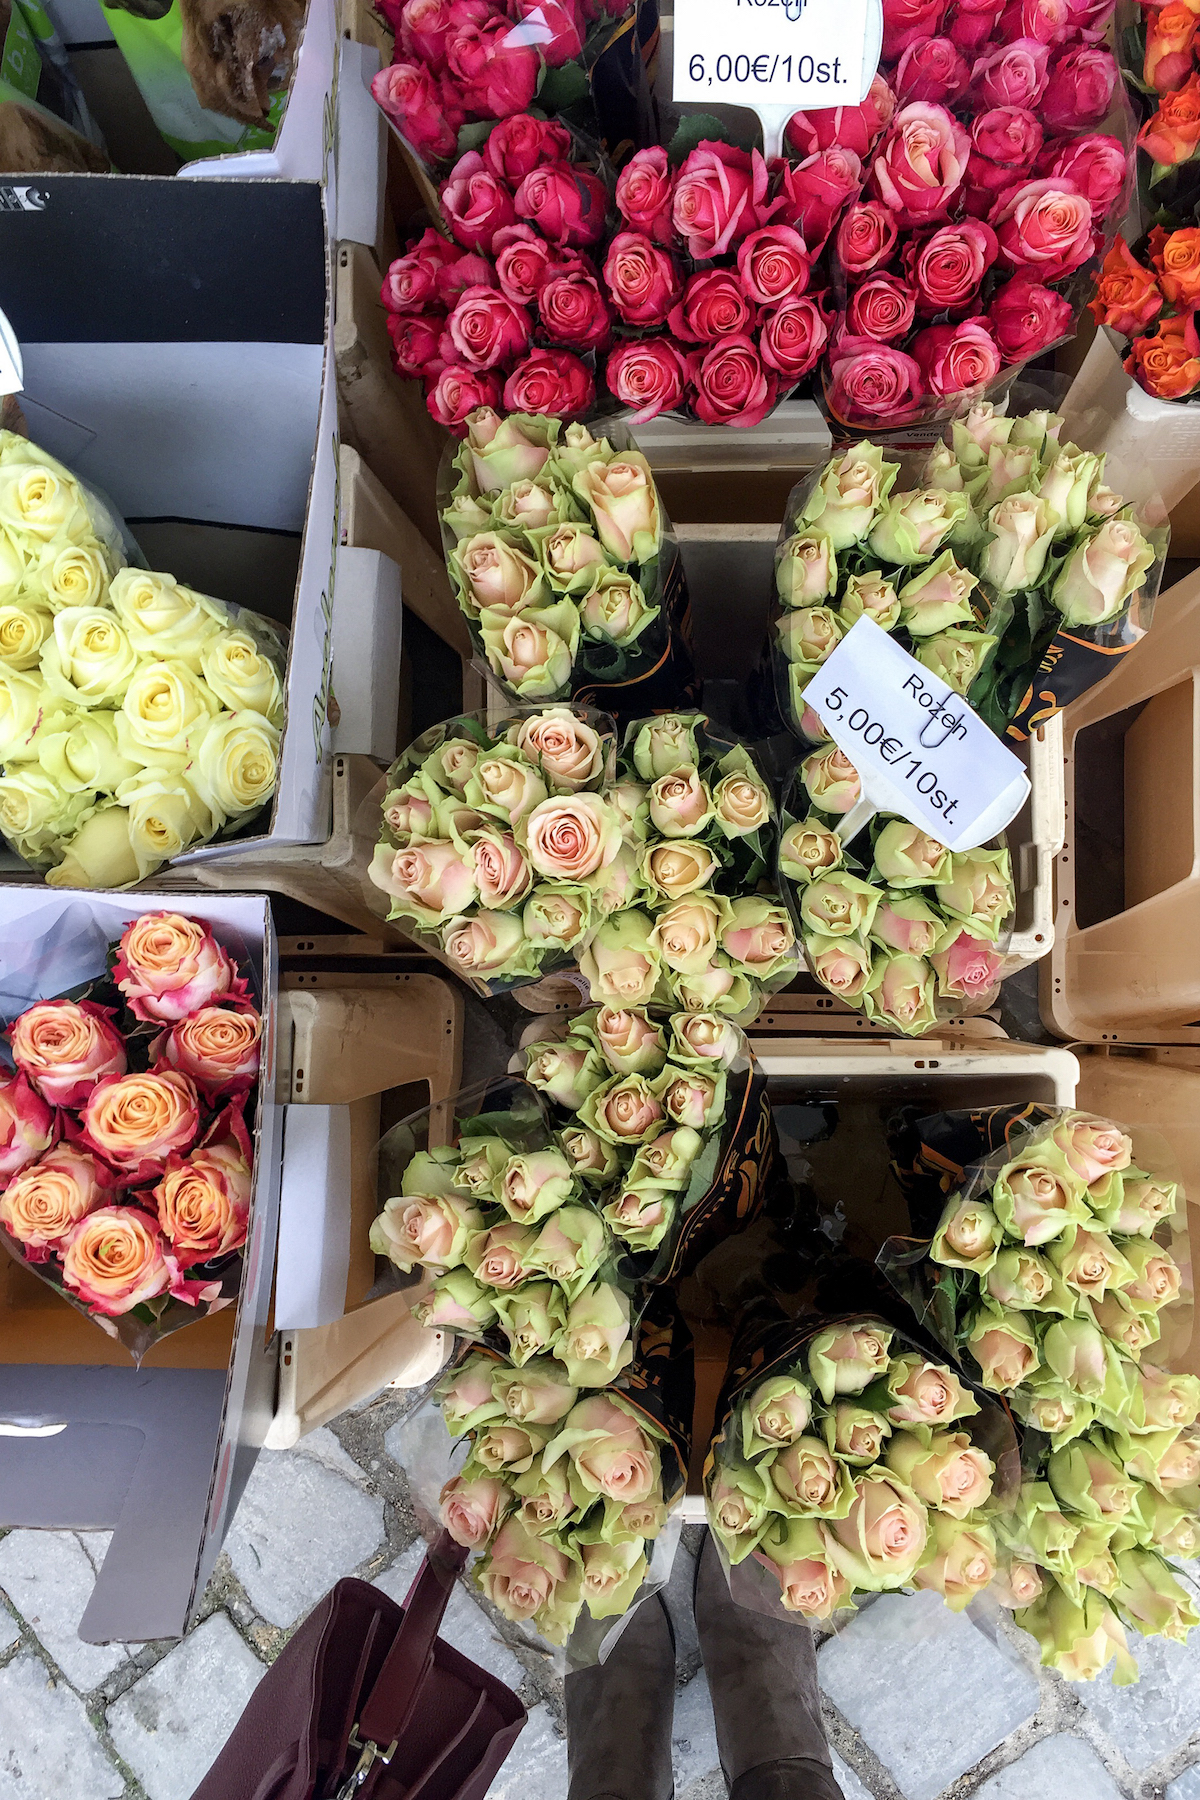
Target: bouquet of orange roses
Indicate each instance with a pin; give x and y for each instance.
(1150, 298)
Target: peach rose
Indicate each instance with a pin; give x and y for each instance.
(66, 1047)
(568, 752)
(497, 1257)
(523, 1573)
(488, 944)
(471, 1511)
(42, 1203)
(806, 1475)
(432, 880)
(218, 1047)
(883, 1536)
(685, 936)
(625, 1111)
(26, 1126)
(135, 1121)
(502, 875)
(1093, 1147)
(168, 966)
(114, 1259)
(570, 838)
(203, 1200)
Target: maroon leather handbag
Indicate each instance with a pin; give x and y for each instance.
(366, 1702)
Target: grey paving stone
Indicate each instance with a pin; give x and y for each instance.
(95, 1546)
(1160, 1711)
(709, 1787)
(537, 1767)
(1185, 1786)
(49, 1580)
(852, 1788)
(968, 1699)
(170, 1725)
(300, 1527)
(48, 1749)
(465, 1627)
(1059, 1768)
(10, 1631)
(693, 1735)
(323, 1447)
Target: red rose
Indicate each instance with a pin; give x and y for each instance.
(550, 381)
(921, 163)
(497, 72)
(642, 279)
(415, 340)
(1008, 135)
(866, 236)
(647, 374)
(882, 308)
(773, 264)
(1026, 318)
(932, 69)
(572, 310)
(566, 203)
(1044, 227)
(814, 193)
(1096, 164)
(733, 387)
(906, 22)
(720, 195)
(553, 27)
(873, 384)
(855, 128)
(410, 284)
(1047, 21)
(1012, 74)
(1080, 89)
(520, 144)
(476, 205)
(457, 392)
(956, 358)
(987, 182)
(471, 270)
(422, 29)
(418, 106)
(644, 194)
(794, 335)
(524, 262)
(485, 329)
(972, 23)
(714, 305)
(948, 266)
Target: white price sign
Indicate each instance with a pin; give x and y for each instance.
(918, 747)
(798, 54)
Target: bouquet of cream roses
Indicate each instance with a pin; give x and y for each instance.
(1051, 1271)
(137, 717)
(561, 554)
(125, 1156)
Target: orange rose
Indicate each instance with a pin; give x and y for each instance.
(1127, 295)
(42, 1203)
(1173, 133)
(1176, 256)
(1169, 33)
(1168, 364)
(203, 1200)
(135, 1121)
(218, 1047)
(113, 1260)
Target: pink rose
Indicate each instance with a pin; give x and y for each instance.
(521, 143)
(497, 74)
(471, 1511)
(643, 280)
(1027, 318)
(550, 381)
(932, 69)
(1095, 164)
(1044, 227)
(793, 336)
(714, 306)
(866, 236)
(647, 374)
(455, 393)
(485, 329)
(419, 107)
(524, 262)
(168, 966)
(873, 382)
(814, 193)
(844, 969)
(915, 937)
(416, 345)
(423, 28)
(720, 195)
(553, 27)
(1008, 135)
(497, 1259)
(733, 385)
(431, 881)
(26, 1125)
(881, 307)
(1046, 21)
(956, 358)
(1012, 74)
(135, 1122)
(854, 128)
(501, 873)
(566, 203)
(65, 1047)
(972, 23)
(572, 310)
(410, 284)
(476, 205)
(643, 194)
(921, 163)
(572, 836)
(1080, 88)
(908, 22)
(968, 969)
(218, 1047)
(773, 264)
(948, 267)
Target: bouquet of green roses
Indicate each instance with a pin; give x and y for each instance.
(1001, 559)
(665, 1120)
(137, 717)
(846, 1460)
(561, 555)
(920, 936)
(1052, 1270)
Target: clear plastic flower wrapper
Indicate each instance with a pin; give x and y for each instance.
(1060, 1273)
(138, 718)
(667, 1123)
(847, 1460)
(893, 922)
(128, 1119)
(564, 563)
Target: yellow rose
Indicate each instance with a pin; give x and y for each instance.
(164, 702)
(27, 714)
(34, 810)
(12, 567)
(84, 756)
(165, 816)
(71, 575)
(23, 631)
(164, 619)
(236, 765)
(90, 661)
(40, 500)
(100, 854)
(241, 677)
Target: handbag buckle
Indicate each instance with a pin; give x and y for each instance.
(370, 1755)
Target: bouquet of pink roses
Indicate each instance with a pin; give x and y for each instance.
(125, 1158)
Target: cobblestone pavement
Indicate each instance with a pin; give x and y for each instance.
(920, 1704)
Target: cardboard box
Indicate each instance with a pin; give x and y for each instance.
(159, 1455)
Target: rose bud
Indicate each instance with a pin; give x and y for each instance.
(1161, 1401)
(458, 1303)
(624, 1111)
(932, 69)
(832, 783)
(1022, 530)
(168, 966)
(1038, 1195)
(612, 1575)
(1089, 1483)
(566, 203)
(203, 1200)
(619, 962)
(758, 937)
(455, 393)
(667, 1160)
(1009, 136)
(855, 1433)
(963, 1562)
(611, 1455)
(1132, 1326)
(528, 1577)
(429, 881)
(808, 849)
(410, 284)
(1149, 1597)
(643, 193)
(1004, 1346)
(466, 1397)
(738, 1507)
(967, 966)
(640, 1214)
(948, 267)
(533, 1185)
(1080, 1355)
(647, 375)
(968, 1236)
(1080, 88)
(135, 1122)
(1132, 1204)
(702, 1040)
(1101, 573)
(497, 1258)
(569, 1248)
(872, 382)
(534, 1395)
(677, 868)
(27, 1125)
(882, 1538)
(502, 1447)
(545, 1499)
(595, 1345)
(946, 1472)
(632, 1043)
(866, 237)
(972, 23)
(796, 1551)
(217, 1046)
(845, 1359)
(808, 1480)
(855, 128)
(904, 922)
(720, 195)
(925, 1394)
(694, 1099)
(591, 1157)
(519, 144)
(524, 263)
(908, 22)
(1156, 1278)
(566, 1073)
(623, 501)
(471, 1511)
(530, 1319)
(44, 1200)
(774, 1415)
(1176, 256)
(418, 106)
(921, 163)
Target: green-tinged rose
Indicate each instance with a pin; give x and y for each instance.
(831, 781)
(578, 449)
(640, 1213)
(739, 1505)
(849, 492)
(569, 1248)
(1079, 1354)
(491, 944)
(591, 1157)
(798, 1552)
(758, 936)
(494, 572)
(570, 556)
(499, 1257)
(686, 935)
(1101, 572)
(839, 905)
(1035, 1530)
(35, 813)
(631, 1042)
(841, 964)
(615, 610)
(566, 1072)
(906, 856)
(809, 1481)
(623, 501)
(499, 451)
(531, 1318)
(978, 886)
(24, 628)
(1078, 1638)
(166, 815)
(556, 918)
(959, 1562)
(1130, 1203)
(458, 1303)
(84, 758)
(1093, 1563)
(1039, 428)
(1089, 1263)
(809, 634)
(943, 1468)
(845, 1359)
(451, 765)
(1160, 1400)
(241, 676)
(956, 655)
(612, 1451)
(164, 620)
(973, 436)
(938, 597)
(1089, 1483)
(1005, 1347)
(870, 596)
(1168, 1460)
(100, 855)
(913, 526)
(1027, 1282)
(773, 1415)
(466, 516)
(904, 922)
(625, 1111)
(806, 571)
(741, 804)
(671, 870)
(1156, 1281)
(880, 1541)
(1066, 480)
(705, 1041)
(612, 1575)
(1037, 1195)
(534, 652)
(901, 992)
(482, 1159)
(1149, 1597)
(619, 962)
(1161, 1524)
(968, 1236)
(236, 766)
(504, 784)
(471, 1508)
(809, 849)
(692, 1096)
(665, 744)
(432, 1171)
(530, 506)
(718, 988)
(533, 1185)
(855, 1433)
(667, 1160)
(681, 805)
(1049, 1405)
(1013, 556)
(502, 1445)
(531, 1578)
(595, 1343)
(1011, 469)
(544, 1499)
(432, 1230)
(630, 1524)
(465, 1395)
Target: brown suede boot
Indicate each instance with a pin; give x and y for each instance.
(620, 1714)
(762, 1676)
